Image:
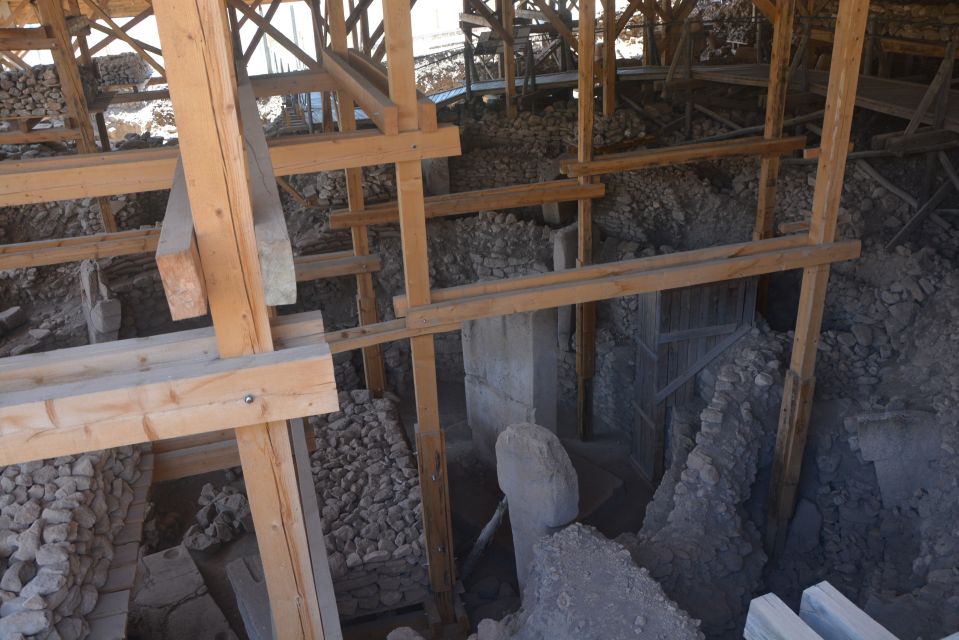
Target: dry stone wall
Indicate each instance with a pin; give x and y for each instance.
(35, 92)
(699, 539)
(369, 497)
(122, 68)
(57, 524)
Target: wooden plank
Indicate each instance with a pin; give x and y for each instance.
(534, 295)
(273, 245)
(74, 177)
(768, 9)
(770, 619)
(480, 7)
(783, 19)
(797, 395)
(696, 152)
(609, 57)
(185, 463)
(35, 136)
(526, 195)
(309, 268)
(374, 368)
(177, 255)
(94, 247)
(834, 617)
(377, 105)
(123, 357)
(377, 74)
(585, 338)
(173, 400)
(314, 530)
(26, 39)
(200, 69)
(401, 305)
(505, 9)
(431, 460)
(563, 29)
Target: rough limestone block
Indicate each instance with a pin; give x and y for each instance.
(511, 374)
(436, 176)
(246, 578)
(540, 484)
(11, 319)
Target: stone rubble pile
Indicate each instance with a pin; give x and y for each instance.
(123, 68)
(58, 519)
(223, 516)
(369, 496)
(700, 539)
(35, 92)
(583, 586)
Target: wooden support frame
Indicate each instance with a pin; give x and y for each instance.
(493, 21)
(74, 177)
(177, 255)
(610, 33)
(526, 195)
(162, 402)
(668, 156)
(377, 105)
(617, 279)
(800, 380)
(374, 368)
(505, 9)
(94, 247)
(585, 310)
(200, 71)
(779, 65)
(431, 449)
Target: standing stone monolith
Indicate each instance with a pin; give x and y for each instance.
(540, 485)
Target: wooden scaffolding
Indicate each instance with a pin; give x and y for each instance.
(221, 395)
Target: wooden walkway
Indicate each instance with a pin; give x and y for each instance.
(892, 97)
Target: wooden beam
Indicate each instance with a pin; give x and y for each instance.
(800, 381)
(68, 418)
(374, 368)
(129, 24)
(941, 81)
(51, 15)
(200, 70)
(273, 244)
(323, 266)
(377, 74)
(505, 9)
(184, 463)
(609, 57)
(775, 113)
(258, 35)
(72, 177)
(431, 450)
(563, 29)
(597, 271)
(769, 618)
(177, 255)
(377, 105)
(95, 247)
(585, 337)
(480, 7)
(526, 195)
(264, 25)
(627, 15)
(833, 616)
(768, 9)
(356, 14)
(122, 35)
(531, 293)
(26, 38)
(696, 152)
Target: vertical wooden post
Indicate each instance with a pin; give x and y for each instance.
(200, 71)
(506, 12)
(431, 448)
(585, 313)
(800, 380)
(609, 57)
(373, 366)
(775, 113)
(51, 16)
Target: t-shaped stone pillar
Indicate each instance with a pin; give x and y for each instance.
(540, 485)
